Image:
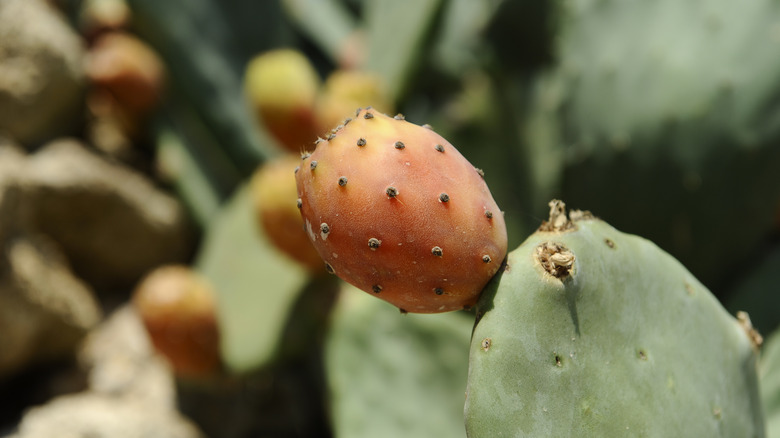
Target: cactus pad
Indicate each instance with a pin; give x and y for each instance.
(592, 330)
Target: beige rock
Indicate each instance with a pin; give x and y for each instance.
(122, 362)
(44, 310)
(42, 83)
(131, 391)
(112, 223)
(100, 416)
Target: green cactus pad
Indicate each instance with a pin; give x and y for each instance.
(309, 16)
(256, 286)
(397, 33)
(393, 375)
(208, 79)
(191, 173)
(593, 332)
(660, 125)
(770, 383)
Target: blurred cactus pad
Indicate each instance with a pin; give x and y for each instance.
(391, 375)
(668, 129)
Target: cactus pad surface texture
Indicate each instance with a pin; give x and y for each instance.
(592, 332)
(659, 125)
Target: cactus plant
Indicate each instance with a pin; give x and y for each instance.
(188, 173)
(756, 292)
(592, 330)
(394, 209)
(395, 376)
(256, 288)
(207, 80)
(770, 383)
(585, 330)
(333, 39)
(396, 37)
(659, 126)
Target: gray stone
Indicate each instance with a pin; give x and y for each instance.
(111, 222)
(97, 415)
(123, 363)
(131, 391)
(44, 310)
(42, 82)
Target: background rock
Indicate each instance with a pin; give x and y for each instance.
(44, 310)
(100, 416)
(131, 391)
(122, 362)
(42, 82)
(112, 223)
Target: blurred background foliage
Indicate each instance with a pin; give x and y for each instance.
(662, 117)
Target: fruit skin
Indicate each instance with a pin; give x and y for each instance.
(129, 70)
(273, 195)
(626, 342)
(281, 87)
(178, 309)
(394, 209)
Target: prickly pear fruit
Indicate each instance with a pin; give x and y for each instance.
(281, 86)
(178, 309)
(129, 70)
(591, 330)
(98, 17)
(345, 90)
(273, 195)
(394, 209)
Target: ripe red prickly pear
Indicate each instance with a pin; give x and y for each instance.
(394, 209)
